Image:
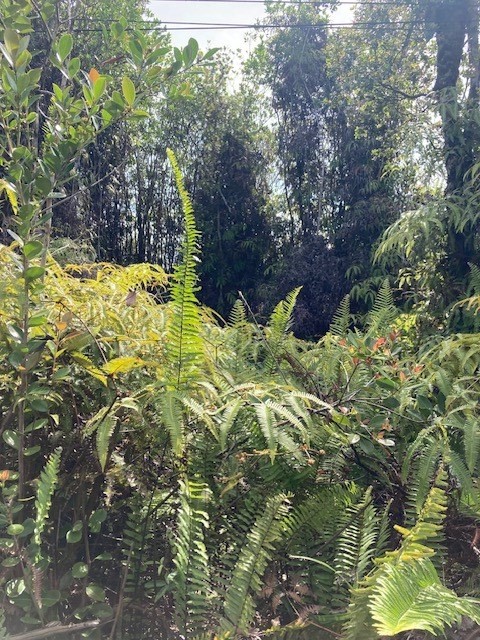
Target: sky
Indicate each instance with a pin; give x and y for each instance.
(219, 12)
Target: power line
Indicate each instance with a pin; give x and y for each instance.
(232, 27)
(180, 25)
(245, 26)
(301, 2)
(321, 25)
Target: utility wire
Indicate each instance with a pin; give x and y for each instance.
(302, 2)
(225, 28)
(265, 25)
(180, 26)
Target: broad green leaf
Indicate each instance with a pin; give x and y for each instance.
(95, 592)
(12, 41)
(65, 45)
(11, 438)
(15, 529)
(73, 67)
(10, 192)
(99, 87)
(96, 519)
(80, 570)
(75, 533)
(128, 90)
(33, 273)
(32, 249)
(50, 598)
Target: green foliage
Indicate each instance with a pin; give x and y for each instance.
(341, 319)
(185, 348)
(252, 562)
(411, 596)
(203, 478)
(46, 486)
(191, 558)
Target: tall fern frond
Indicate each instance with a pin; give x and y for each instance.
(357, 543)
(184, 343)
(259, 547)
(46, 486)
(279, 324)
(136, 536)
(425, 469)
(471, 441)
(238, 315)
(280, 321)
(268, 425)
(461, 472)
(341, 318)
(172, 417)
(383, 313)
(191, 559)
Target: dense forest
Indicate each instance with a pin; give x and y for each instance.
(239, 324)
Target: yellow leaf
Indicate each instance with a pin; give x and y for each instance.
(11, 194)
(122, 365)
(93, 75)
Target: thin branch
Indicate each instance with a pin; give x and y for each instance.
(399, 92)
(118, 615)
(59, 629)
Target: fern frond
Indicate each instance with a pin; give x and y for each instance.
(227, 419)
(238, 315)
(341, 319)
(239, 608)
(280, 321)
(104, 434)
(471, 442)
(172, 417)
(357, 543)
(461, 472)
(46, 486)
(184, 342)
(136, 536)
(383, 313)
(360, 622)
(192, 588)
(268, 424)
(279, 324)
(410, 596)
(423, 436)
(425, 471)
